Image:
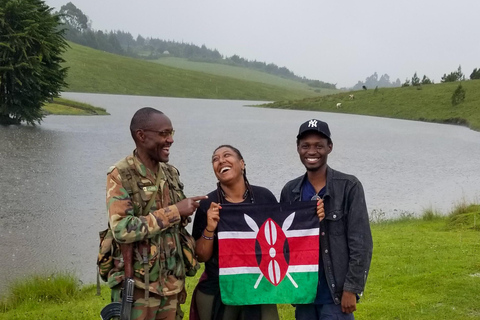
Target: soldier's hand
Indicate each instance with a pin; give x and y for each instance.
(182, 296)
(187, 206)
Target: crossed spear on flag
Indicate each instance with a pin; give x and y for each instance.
(273, 236)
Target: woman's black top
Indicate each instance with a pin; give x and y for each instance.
(211, 285)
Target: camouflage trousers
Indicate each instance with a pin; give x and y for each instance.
(156, 308)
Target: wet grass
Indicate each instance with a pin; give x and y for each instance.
(422, 268)
(241, 73)
(96, 71)
(61, 106)
(431, 103)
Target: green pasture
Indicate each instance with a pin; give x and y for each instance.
(426, 268)
(431, 103)
(242, 74)
(101, 72)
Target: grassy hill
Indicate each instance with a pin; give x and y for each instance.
(240, 73)
(431, 103)
(100, 72)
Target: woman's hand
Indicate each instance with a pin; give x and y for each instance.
(213, 216)
(204, 248)
(320, 210)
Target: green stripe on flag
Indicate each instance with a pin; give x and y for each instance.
(239, 289)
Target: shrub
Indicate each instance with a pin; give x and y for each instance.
(458, 95)
(406, 83)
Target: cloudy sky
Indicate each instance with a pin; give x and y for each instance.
(336, 41)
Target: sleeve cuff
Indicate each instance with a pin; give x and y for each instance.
(172, 214)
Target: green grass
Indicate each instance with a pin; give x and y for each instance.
(241, 73)
(100, 72)
(426, 103)
(427, 268)
(61, 106)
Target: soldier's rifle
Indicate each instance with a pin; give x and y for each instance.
(123, 310)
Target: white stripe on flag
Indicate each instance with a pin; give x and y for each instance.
(303, 268)
(239, 270)
(253, 235)
(256, 270)
(237, 235)
(302, 233)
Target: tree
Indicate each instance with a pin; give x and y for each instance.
(454, 76)
(140, 41)
(415, 80)
(406, 83)
(374, 81)
(426, 80)
(31, 45)
(74, 17)
(458, 95)
(475, 74)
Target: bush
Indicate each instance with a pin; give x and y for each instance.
(458, 95)
(406, 83)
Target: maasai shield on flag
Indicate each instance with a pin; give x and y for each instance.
(268, 254)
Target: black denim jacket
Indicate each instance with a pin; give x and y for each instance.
(345, 237)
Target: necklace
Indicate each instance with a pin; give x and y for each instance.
(228, 197)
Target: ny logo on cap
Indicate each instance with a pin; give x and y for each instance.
(312, 123)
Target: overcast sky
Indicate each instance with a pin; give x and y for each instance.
(335, 41)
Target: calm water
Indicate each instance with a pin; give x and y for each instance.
(53, 175)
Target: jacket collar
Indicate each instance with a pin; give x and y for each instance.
(297, 189)
(139, 166)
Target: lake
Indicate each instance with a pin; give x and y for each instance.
(53, 175)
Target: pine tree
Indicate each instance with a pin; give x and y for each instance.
(415, 80)
(31, 45)
(458, 95)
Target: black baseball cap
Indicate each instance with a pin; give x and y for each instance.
(314, 125)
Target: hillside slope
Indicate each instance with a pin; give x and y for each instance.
(242, 74)
(100, 72)
(431, 103)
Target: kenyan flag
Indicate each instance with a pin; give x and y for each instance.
(268, 254)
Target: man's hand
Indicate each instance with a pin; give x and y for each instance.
(320, 210)
(187, 206)
(182, 296)
(349, 302)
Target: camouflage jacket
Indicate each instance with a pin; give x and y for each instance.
(130, 186)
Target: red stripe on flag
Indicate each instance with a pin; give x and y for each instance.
(307, 250)
(236, 253)
(241, 252)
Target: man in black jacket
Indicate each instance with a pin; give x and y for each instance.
(345, 237)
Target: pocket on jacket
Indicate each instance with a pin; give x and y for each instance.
(335, 223)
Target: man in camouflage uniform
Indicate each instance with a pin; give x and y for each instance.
(157, 258)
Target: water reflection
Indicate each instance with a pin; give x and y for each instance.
(53, 175)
